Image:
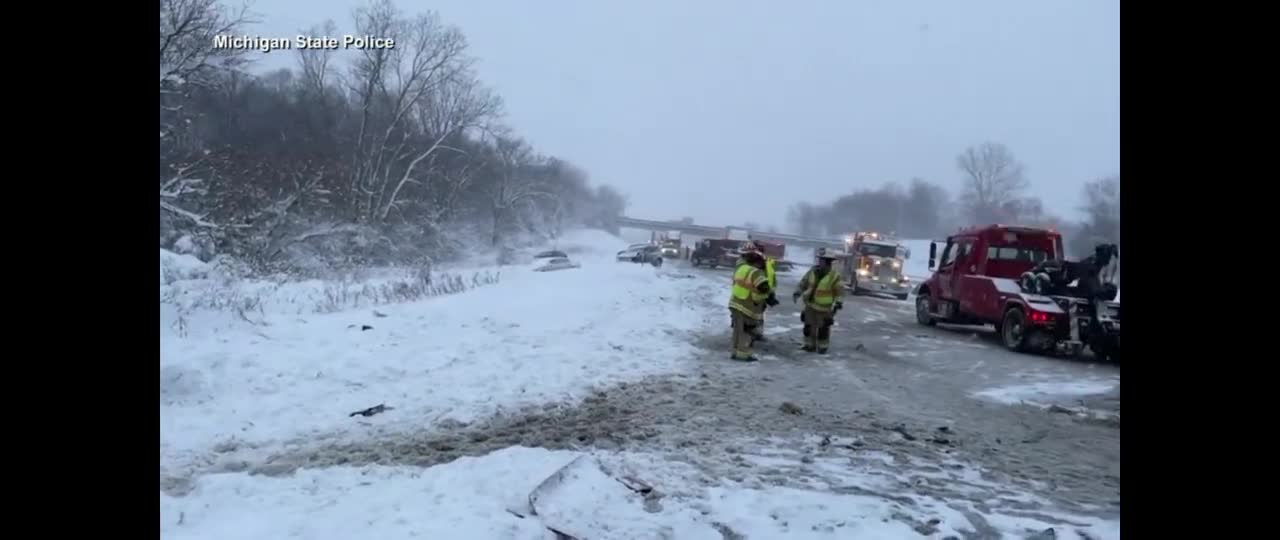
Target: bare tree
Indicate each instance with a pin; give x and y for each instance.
(390, 84)
(1102, 215)
(447, 111)
(993, 180)
(918, 210)
(187, 32)
(187, 53)
(802, 218)
(314, 63)
(399, 158)
(925, 210)
(513, 185)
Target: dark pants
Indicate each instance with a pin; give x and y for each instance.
(817, 328)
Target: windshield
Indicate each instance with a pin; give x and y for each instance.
(878, 250)
(1021, 254)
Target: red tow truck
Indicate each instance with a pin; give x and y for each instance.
(985, 276)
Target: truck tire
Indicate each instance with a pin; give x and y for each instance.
(923, 308)
(1013, 330)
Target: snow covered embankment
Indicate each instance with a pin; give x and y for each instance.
(488, 497)
(534, 337)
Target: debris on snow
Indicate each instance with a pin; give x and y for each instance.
(1047, 534)
(788, 407)
(371, 410)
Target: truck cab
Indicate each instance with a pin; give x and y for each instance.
(961, 286)
(976, 280)
(714, 252)
(669, 243)
(874, 264)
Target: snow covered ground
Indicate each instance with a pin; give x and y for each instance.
(533, 337)
(264, 371)
(488, 497)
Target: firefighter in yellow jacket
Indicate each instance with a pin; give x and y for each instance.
(771, 274)
(822, 290)
(746, 303)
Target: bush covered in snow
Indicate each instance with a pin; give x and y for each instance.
(188, 286)
(292, 172)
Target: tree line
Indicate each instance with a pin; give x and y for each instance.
(994, 190)
(400, 155)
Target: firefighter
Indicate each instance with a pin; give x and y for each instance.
(770, 274)
(746, 303)
(822, 289)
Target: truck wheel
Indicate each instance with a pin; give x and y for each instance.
(1108, 354)
(1013, 330)
(922, 311)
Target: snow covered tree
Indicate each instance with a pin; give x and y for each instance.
(399, 155)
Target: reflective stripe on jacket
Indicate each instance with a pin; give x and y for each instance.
(747, 298)
(823, 294)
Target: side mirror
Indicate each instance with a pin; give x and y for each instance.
(933, 255)
(907, 255)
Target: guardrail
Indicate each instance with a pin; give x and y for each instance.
(719, 232)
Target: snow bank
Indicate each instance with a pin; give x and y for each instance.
(1034, 392)
(485, 497)
(532, 338)
(175, 267)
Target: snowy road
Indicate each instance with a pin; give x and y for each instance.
(902, 432)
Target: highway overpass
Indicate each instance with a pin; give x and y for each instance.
(720, 232)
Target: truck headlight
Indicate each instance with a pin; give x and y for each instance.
(863, 272)
(897, 265)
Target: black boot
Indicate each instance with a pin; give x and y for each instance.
(807, 348)
(822, 350)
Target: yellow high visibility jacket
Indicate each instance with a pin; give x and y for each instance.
(747, 298)
(770, 273)
(821, 294)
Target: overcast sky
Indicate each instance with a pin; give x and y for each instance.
(732, 110)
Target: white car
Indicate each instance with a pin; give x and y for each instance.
(641, 253)
(557, 263)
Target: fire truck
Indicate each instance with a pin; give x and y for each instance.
(668, 243)
(873, 263)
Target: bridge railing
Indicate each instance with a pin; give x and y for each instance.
(706, 230)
